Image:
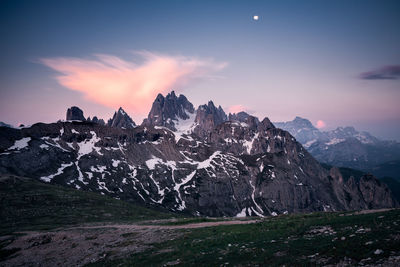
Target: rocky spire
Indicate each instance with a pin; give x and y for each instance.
(166, 110)
(75, 114)
(265, 124)
(96, 120)
(121, 120)
(208, 116)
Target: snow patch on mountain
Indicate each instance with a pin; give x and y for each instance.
(115, 163)
(184, 126)
(59, 171)
(44, 146)
(20, 144)
(309, 143)
(335, 141)
(87, 146)
(248, 144)
(54, 142)
(207, 163)
(177, 187)
(151, 163)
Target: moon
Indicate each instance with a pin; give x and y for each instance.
(255, 17)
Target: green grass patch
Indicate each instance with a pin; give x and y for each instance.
(304, 239)
(27, 204)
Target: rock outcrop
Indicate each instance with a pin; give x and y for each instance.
(96, 120)
(121, 120)
(75, 114)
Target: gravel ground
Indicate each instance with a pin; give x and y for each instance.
(78, 246)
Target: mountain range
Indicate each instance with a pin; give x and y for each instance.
(200, 161)
(347, 147)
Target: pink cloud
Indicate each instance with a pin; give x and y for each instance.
(320, 124)
(114, 82)
(236, 108)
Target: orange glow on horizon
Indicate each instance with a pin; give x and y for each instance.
(320, 124)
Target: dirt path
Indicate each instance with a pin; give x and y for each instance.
(166, 226)
(370, 211)
(77, 246)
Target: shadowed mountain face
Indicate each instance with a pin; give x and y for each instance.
(196, 161)
(2, 124)
(121, 120)
(75, 113)
(344, 146)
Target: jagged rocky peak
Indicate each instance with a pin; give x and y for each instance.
(297, 123)
(169, 110)
(75, 114)
(208, 116)
(96, 120)
(121, 120)
(265, 125)
(240, 116)
(244, 117)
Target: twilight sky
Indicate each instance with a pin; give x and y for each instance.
(334, 62)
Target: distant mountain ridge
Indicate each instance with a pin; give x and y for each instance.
(200, 161)
(344, 146)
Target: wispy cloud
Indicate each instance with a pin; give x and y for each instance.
(391, 72)
(113, 81)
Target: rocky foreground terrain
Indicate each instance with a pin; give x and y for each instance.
(198, 161)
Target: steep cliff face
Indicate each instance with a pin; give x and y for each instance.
(203, 164)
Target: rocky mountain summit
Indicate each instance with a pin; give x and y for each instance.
(75, 114)
(344, 146)
(241, 117)
(198, 161)
(121, 120)
(207, 118)
(169, 111)
(301, 129)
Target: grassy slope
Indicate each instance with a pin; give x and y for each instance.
(26, 204)
(280, 240)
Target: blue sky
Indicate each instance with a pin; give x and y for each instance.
(301, 58)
